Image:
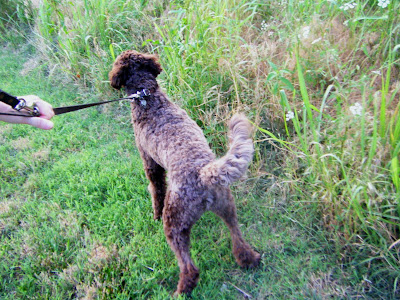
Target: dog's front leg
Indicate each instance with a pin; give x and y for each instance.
(157, 187)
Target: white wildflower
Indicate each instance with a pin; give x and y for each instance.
(316, 41)
(383, 3)
(289, 115)
(348, 6)
(378, 72)
(356, 109)
(305, 32)
(264, 26)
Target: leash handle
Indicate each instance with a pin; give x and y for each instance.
(13, 101)
(18, 104)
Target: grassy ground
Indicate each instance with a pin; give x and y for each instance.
(319, 79)
(76, 219)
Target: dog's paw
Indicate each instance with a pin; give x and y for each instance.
(248, 258)
(254, 261)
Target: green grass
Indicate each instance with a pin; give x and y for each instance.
(322, 203)
(76, 218)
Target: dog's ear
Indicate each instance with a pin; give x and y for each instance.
(117, 78)
(150, 62)
(118, 74)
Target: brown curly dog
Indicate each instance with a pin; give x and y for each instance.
(169, 141)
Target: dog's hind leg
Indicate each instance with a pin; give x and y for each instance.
(226, 209)
(178, 222)
(157, 187)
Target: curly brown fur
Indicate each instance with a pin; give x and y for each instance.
(168, 140)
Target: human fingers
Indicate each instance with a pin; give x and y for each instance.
(45, 108)
(39, 122)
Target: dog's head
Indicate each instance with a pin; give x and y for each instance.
(130, 66)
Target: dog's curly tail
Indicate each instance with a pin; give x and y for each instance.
(233, 165)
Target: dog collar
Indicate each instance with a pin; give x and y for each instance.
(140, 97)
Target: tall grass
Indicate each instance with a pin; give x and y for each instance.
(83, 36)
(312, 60)
(15, 18)
(201, 47)
(354, 158)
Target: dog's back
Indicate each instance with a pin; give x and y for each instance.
(173, 139)
(184, 145)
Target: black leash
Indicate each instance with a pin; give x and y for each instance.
(20, 104)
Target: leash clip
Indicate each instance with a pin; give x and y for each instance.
(32, 110)
(139, 95)
(21, 104)
(145, 93)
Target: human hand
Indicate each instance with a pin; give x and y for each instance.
(42, 121)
